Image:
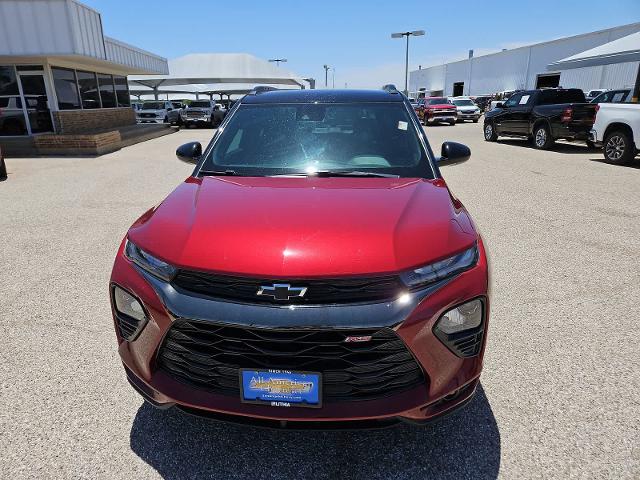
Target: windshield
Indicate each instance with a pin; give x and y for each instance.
(464, 103)
(153, 106)
(436, 101)
(278, 139)
(200, 104)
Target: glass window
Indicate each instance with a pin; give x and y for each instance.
(285, 139)
(8, 83)
(106, 90)
(66, 88)
(122, 91)
(12, 117)
(513, 100)
(88, 89)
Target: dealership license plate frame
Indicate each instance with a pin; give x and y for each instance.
(281, 402)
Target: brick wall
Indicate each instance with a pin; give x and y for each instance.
(84, 121)
(89, 144)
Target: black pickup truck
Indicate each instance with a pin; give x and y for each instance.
(543, 116)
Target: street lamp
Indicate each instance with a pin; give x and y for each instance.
(326, 75)
(278, 60)
(415, 33)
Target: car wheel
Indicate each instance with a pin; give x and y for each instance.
(542, 139)
(166, 119)
(453, 122)
(490, 134)
(618, 148)
(476, 120)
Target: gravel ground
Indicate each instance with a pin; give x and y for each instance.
(560, 390)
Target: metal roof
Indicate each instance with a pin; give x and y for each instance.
(625, 49)
(215, 68)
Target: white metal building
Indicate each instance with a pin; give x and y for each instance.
(527, 67)
(60, 74)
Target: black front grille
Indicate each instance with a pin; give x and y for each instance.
(319, 291)
(147, 115)
(209, 356)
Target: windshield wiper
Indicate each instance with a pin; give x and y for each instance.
(338, 173)
(218, 172)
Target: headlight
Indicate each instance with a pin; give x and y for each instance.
(440, 270)
(148, 262)
(463, 317)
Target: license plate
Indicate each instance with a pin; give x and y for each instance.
(281, 388)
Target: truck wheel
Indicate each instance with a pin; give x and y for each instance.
(618, 148)
(490, 134)
(166, 119)
(542, 139)
(453, 123)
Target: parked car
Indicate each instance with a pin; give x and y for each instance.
(617, 130)
(591, 94)
(466, 109)
(542, 115)
(437, 110)
(158, 112)
(308, 198)
(3, 167)
(621, 95)
(203, 112)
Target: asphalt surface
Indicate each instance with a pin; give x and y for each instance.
(560, 395)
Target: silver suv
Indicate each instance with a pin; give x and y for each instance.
(162, 111)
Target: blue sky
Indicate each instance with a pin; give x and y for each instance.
(353, 36)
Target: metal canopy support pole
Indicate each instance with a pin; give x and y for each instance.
(636, 89)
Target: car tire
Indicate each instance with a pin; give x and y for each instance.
(618, 148)
(476, 120)
(542, 139)
(490, 134)
(453, 123)
(166, 119)
(3, 169)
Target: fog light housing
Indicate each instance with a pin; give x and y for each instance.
(461, 329)
(130, 314)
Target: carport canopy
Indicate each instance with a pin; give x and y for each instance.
(219, 68)
(622, 50)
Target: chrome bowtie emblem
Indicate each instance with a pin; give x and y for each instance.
(282, 291)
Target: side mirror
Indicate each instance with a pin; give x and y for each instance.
(453, 153)
(169, 109)
(189, 152)
(500, 105)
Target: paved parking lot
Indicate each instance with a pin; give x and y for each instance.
(560, 391)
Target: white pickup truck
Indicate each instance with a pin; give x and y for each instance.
(617, 130)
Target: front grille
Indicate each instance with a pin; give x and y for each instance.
(196, 114)
(209, 356)
(319, 291)
(148, 115)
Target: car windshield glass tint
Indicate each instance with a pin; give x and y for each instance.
(437, 101)
(200, 104)
(464, 103)
(280, 139)
(153, 106)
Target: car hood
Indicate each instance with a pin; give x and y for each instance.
(467, 109)
(442, 105)
(148, 110)
(305, 227)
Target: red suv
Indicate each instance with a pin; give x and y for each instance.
(437, 110)
(314, 268)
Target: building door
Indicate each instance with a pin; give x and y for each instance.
(548, 80)
(36, 101)
(458, 89)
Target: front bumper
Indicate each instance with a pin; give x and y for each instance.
(149, 120)
(593, 137)
(468, 116)
(450, 380)
(441, 118)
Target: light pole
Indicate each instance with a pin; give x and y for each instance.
(278, 60)
(333, 77)
(326, 75)
(415, 33)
